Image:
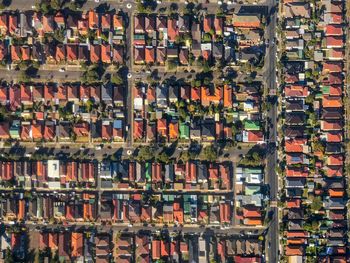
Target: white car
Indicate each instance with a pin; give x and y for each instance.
(62, 70)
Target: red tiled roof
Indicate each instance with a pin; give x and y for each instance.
(334, 30)
(95, 53)
(296, 91)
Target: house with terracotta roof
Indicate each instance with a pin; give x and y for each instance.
(95, 53)
(149, 54)
(118, 54)
(60, 55)
(246, 21)
(82, 131)
(106, 52)
(72, 52)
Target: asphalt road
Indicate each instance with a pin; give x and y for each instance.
(246, 232)
(270, 172)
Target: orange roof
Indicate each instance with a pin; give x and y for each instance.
(21, 209)
(295, 145)
(334, 41)
(77, 244)
(195, 93)
(296, 91)
(13, 23)
(336, 192)
(336, 90)
(331, 125)
(60, 53)
(296, 241)
(332, 66)
(49, 132)
(149, 55)
(53, 240)
(26, 94)
(336, 171)
(208, 98)
(293, 171)
(294, 250)
(138, 129)
(83, 25)
(334, 30)
(25, 132)
(81, 129)
(247, 24)
(95, 53)
(25, 52)
(252, 222)
(332, 102)
(162, 127)
(37, 131)
(293, 203)
(296, 234)
(334, 137)
(117, 21)
(15, 53)
(156, 249)
(335, 159)
(106, 53)
(93, 19)
(164, 248)
(172, 29)
(106, 21)
(3, 21)
(208, 24)
(173, 130)
(227, 96)
(251, 212)
(72, 52)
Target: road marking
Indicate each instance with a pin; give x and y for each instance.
(273, 204)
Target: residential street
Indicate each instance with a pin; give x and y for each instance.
(270, 172)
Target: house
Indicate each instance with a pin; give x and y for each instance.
(253, 136)
(95, 53)
(139, 24)
(297, 10)
(106, 53)
(149, 54)
(246, 21)
(184, 56)
(208, 23)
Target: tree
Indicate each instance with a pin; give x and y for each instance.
(8, 256)
(145, 154)
(184, 157)
(172, 64)
(163, 158)
(211, 153)
(117, 79)
(316, 204)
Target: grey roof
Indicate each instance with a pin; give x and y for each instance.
(295, 182)
(217, 50)
(334, 203)
(107, 92)
(208, 128)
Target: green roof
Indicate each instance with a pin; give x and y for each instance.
(184, 130)
(253, 170)
(318, 96)
(148, 171)
(168, 198)
(252, 189)
(251, 126)
(326, 89)
(136, 36)
(187, 207)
